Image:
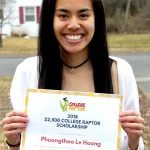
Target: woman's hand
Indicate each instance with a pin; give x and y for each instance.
(13, 124)
(133, 125)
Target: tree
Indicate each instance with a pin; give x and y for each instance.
(6, 15)
(146, 10)
(121, 14)
(126, 14)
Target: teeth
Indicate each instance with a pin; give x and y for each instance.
(73, 37)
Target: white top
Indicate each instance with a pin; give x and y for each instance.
(26, 76)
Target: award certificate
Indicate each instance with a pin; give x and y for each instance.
(67, 120)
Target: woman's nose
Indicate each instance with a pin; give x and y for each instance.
(74, 23)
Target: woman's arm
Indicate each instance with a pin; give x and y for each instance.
(14, 122)
(131, 120)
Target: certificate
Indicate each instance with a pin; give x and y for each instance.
(67, 120)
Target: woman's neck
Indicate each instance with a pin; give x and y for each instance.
(74, 59)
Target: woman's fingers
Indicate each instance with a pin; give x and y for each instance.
(14, 119)
(14, 122)
(13, 126)
(12, 132)
(16, 113)
(131, 116)
(132, 123)
(137, 126)
(136, 119)
(134, 131)
(129, 113)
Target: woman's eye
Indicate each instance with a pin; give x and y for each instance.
(63, 17)
(84, 16)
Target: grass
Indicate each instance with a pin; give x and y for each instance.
(4, 104)
(129, 42)
(16, 46)
(124, 43)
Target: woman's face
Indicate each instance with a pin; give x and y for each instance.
(74, 24)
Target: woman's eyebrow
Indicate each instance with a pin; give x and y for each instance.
(84, 10)
(62, 10)
(80, 11)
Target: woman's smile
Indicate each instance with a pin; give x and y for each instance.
(73, 39)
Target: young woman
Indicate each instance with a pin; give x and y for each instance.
(73, 55)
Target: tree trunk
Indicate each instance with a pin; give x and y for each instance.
(126, 15)
(1, 41)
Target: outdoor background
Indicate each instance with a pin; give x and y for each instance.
(128, 26)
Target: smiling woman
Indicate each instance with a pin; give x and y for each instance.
(73, 33)
(74, 28)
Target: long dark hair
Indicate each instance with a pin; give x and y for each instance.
(50, 65)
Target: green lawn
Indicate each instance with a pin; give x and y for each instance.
(4, 104)
(129, 42)
(17, 46)
(118, 43)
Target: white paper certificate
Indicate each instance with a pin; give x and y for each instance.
(62, 120)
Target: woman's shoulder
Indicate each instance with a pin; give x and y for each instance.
(118, 59)
(29, 62)
(124, 68)
(33, 59)
(28, 65)
(121, 63)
